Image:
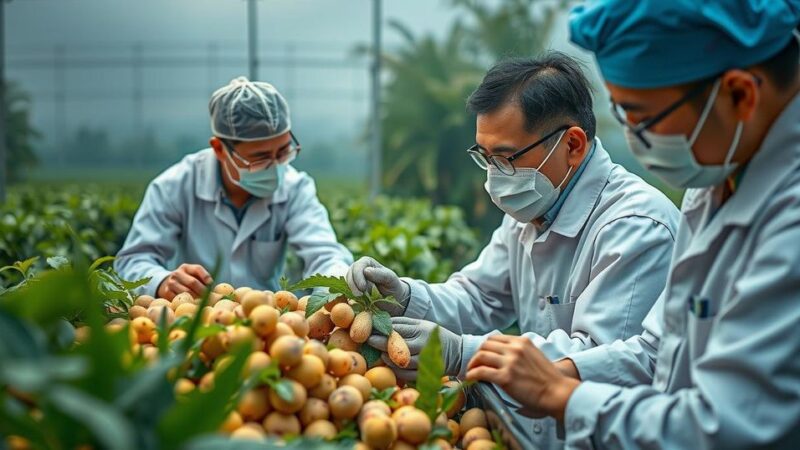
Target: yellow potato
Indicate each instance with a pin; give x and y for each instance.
(324, 389)
(278, 424)
(342, 315)
(321, 429)
(318, 349)
(254, 405)
(252, 299)
(340, 338)
(340, 362)
(297, 322)
(309, 372)
(314, 409)
(264, 319)
(381, 378)
(475, 434)
(299, 396)
(359, 382)
(345, 402)
(361, 328)
(398, 350)
(473, 418)
(287, 350)
(379, 432)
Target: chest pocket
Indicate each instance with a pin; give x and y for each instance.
(555, 315)
(700, 312)
(267, 257)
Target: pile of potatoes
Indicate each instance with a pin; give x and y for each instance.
(318, 357)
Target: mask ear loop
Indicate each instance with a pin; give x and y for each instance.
(565, 178)
(706, 112)
(538, 169)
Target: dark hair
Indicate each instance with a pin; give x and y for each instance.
(782, 68)
(550, 89)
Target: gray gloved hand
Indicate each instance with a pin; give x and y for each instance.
(366, 273)
(417, 332)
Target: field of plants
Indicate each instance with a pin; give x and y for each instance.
(84, 363)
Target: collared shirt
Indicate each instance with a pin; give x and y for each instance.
(238, 211)
(589, 278)
(717, 365)
(183, 218)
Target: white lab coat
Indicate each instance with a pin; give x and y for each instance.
(182, 219)
(590, 278)
(727, 377)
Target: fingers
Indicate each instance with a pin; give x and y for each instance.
(348, 277)
(483, 373)
(380, 275)
(173, 287)
(504, 338)
(358, 283)
(199, 272)
(191, 283)
(378, 342)
(483, 358)
(494, 346)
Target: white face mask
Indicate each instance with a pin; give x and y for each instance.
(671, 159)
(526, 195)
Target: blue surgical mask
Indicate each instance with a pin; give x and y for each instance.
(262, 183)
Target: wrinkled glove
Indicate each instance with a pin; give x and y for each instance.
(367, 273)
(416, 333)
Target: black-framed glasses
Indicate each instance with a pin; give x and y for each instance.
(285, 154)
(505, 164)
(637, 130)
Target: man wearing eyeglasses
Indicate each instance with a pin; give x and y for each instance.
(582, 252)
(240, 201)
(709, 94)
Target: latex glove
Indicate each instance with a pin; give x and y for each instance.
(417, 333)
(366, 273)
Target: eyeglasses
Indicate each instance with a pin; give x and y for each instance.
(505, 164)
(637, 130)
(285, 155)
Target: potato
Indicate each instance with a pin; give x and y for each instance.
(223, 289)
(250, 432)
(279, 424)
(324, 389)
(473, 418)
(223, 317)
(136, 311)
(303, 303)
(398, 350)
(281, 329)
(381, 378)
(361, 328)
(183, 386)
(239, 293)
(232, 422)
(186, 309)
(159, 302)
(144, 301)
(309, 372)
(359, 363)
(154, 313)
(143, 329)
(379, 432)
(455, 431)
(285, 299)
(405, 397)
(297, 322)
(314, 409)
(345, 402)
(299, 396)
(342, 315)
(475, 434)
(254, 405)
(340, 363)
(206, 382)
(212, 346)
(340, 338)
(359, 382)
(180, 299)
(264, 319)
(319, 325)
(238, 335)
(460, 400)
(482, 444)
(226, 305)
(254, 298)
(256, 362)
(321, 429)
(317, 349)
(414, 426)
(287, 350)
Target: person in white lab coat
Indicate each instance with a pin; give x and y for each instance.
(582, 252)
(709, 95)
(239, 202)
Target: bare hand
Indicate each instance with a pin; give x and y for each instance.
(520, 369)
(192, 278)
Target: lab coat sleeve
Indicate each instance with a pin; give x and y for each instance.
(629, 265)
(473, 299)
(625, 363)
(310, 234)
(153, 237)
(746, 386)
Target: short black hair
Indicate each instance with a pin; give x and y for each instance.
(550, 89)
(782, 67)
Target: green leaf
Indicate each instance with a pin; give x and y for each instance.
(208, 330)
(449, 396)
(429, 375)
(348, 431)
(182, 421)
(100, 261)
(25, 266)
(334, 285)
(370, 354)
(317, 301)
(440, 431)
(284, 283)
(57, 262)
(384, 395)
(270, 375)
(382, 321)
(284, 389)
(390, 300)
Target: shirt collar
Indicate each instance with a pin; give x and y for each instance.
(551, 214)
